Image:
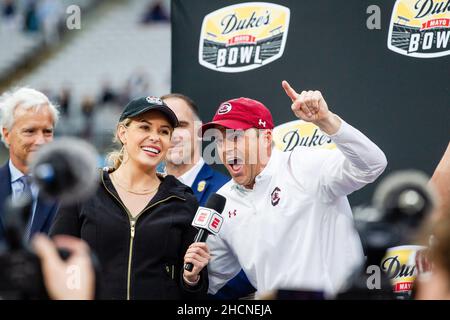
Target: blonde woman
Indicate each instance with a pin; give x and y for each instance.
(139, 223)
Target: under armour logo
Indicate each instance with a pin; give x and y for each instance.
(231, 213)
(262, 123)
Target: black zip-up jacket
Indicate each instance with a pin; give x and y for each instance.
(140, 257)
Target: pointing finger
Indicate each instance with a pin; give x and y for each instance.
(289, 91)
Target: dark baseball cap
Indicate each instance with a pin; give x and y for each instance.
(141, 105)
(241, 114)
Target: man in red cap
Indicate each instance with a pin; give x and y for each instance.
(288, 222)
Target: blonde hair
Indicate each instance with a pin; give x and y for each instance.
(115, 157)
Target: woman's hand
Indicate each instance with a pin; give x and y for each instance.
(198, 255)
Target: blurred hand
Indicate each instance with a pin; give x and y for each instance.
(198, 255)
(73, 279)
(423, 263)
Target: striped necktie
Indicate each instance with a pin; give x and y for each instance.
(26, 195)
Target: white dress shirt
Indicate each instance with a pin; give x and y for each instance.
(294, 229)
(189, 176)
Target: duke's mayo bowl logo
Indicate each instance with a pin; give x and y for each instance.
(243, 37)
(420, 28)
(300, 133)
(399, 264)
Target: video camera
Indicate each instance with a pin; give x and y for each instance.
(400, 204)
(65, 171)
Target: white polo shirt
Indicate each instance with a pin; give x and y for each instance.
(294, 229)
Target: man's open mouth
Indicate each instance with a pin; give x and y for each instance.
(235, 164)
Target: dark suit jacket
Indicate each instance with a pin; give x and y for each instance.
(45, 210)
(207, 182)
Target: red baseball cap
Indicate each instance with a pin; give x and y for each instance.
(241, 114)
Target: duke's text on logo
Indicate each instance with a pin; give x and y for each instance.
(394, 269)
(232, 23)
(293, 138)
(241, 49)
(429, 7)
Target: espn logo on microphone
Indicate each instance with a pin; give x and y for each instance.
(208, 219)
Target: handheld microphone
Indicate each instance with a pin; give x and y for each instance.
(208, 220)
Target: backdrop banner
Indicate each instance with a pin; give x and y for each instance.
(383, 66)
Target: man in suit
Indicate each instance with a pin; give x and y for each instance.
(185, 162)
(27, 121)
(184, 159)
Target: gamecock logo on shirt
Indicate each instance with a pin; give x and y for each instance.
(275, 196)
